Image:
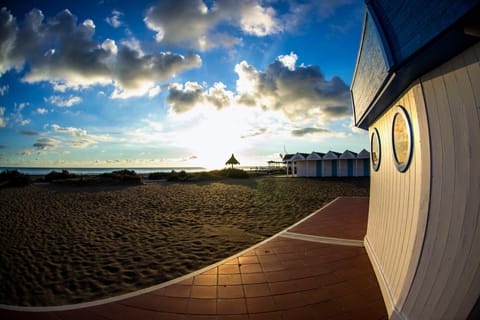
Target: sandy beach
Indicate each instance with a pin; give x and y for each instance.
(63, 245)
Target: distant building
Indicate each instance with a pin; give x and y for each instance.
(330, 164)
(416, 88)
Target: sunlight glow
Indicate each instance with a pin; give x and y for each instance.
(213, 138)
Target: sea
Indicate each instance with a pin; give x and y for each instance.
(40, 171)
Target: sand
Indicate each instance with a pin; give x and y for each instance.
(76, 244)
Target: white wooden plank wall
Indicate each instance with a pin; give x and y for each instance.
(447, 282)
(398, 211)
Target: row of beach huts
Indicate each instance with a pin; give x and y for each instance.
(330, 164)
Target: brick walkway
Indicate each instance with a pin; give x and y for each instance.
(317, 269)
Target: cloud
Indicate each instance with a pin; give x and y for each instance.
(62, 102)
(183, 98)
(66, 53)
(62, 50)
(29, 133)
(300, 92)
(114, 20)
(46, 143)
(306, 131)
(3, 89)
(26, 152)
(218, 96)
(82, 143)
(255, 133)
(193, 23)
(137, 73)
(42, 111)
(76, 132)
(251, 17)
(3, 121)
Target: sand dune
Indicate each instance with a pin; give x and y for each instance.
(73, 244)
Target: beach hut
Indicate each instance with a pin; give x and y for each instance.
(416, 89)
(346, 164)
(330, 164)
(287, 160)
(314, 164)
(362, 164)
(299, 164)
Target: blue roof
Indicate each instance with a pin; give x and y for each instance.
(401, 41)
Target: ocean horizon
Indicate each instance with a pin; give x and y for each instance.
(95, 171)
(40, 171)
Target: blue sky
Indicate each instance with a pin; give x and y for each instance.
(175, 83)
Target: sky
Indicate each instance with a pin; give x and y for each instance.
(175, 82)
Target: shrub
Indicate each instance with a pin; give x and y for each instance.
(178, 176)
(14, 179)
(235, 173)
(157, 175)
(121, 177)
(55, 176)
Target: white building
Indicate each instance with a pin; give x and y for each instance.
(416, 88)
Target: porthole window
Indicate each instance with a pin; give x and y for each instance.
(402, 139)
(375, 149)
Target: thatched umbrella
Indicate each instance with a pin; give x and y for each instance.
(232, 161)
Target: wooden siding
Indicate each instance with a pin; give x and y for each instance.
(311, 168)
(327, 168)
(399, 204)
(371, 70)
(447, 283)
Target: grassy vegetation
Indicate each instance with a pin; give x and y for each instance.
(14, 178)
(182, 176)
(121, 177)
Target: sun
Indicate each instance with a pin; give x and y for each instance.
(214, 137)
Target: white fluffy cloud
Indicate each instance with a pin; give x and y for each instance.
(42, 111)
(193, 24)
(76, 132)
(114, 20)
(64, 102)
(300, 92)
(183, 98)
(65, 53)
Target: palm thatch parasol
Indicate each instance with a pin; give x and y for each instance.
(232, 161)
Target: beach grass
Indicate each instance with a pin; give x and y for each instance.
(68, 244)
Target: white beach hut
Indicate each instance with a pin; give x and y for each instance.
(287, 159)
(299, 161)
(416, 89)
(314, 164)
(362, 164)
(330, 164)
(346, 164)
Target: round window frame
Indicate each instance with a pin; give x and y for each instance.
(402, 112)
(376, 135)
